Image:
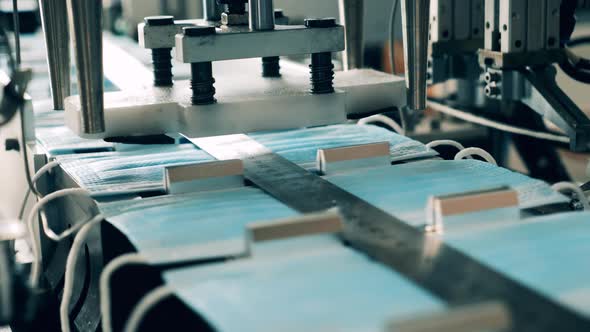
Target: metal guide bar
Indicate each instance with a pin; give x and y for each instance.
(447, 273)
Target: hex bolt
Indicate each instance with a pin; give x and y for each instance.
(161, 57)
(201, 72)
(322, 69)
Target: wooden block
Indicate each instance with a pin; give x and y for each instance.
(490, 316)
(306, 225)
(350, 157)
(476, 201)
(440, 208)
(214, 175)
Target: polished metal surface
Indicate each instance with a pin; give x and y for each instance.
(415, 17)
(262, 15)
(352, 17)
(86, 21)
(57, 40)
(445, 272)
(212, 10)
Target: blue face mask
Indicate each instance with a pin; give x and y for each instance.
(330, 288)
(124, 172)
(403, 190)
(57, 139)
(548, 254)
(300, 145)
(185, 227)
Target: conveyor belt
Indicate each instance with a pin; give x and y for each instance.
(442, 270)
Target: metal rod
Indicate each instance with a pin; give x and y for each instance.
(212, 10)
(352, 17)
(415, 16)
(262, 15)
(16, 24)
(86, 19)
(57, 40)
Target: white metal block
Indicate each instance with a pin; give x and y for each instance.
(163, 36)
(241, 43)
(368, 89)
(513, 25)
(247, 102)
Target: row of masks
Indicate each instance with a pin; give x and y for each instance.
(142, 168)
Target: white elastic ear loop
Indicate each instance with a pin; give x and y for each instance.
(105, 285)
(476, 152)
(42, 171)
(447, 142)
(382, 119)
(564, 186)
(71, 263)
(147, 303)
(36, 266)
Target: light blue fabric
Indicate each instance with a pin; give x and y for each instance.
(549, 254)
(300, 145)
(133, 171)
(57, 139)
(185, 227)
(403, 190)
(301, 284)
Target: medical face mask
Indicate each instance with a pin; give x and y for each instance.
(133, 171)
(300, 145)
(185, 227)
(57, 139)
(330, 287)
(403, 190)
(548, 254)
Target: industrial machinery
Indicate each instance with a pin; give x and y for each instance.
(245, 171)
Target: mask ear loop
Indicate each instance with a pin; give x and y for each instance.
(476, 152)
(42, 171)
(71, 263)
(569, 186)
(147, 303)
(105, 285)
(447, 142)
(380, 118)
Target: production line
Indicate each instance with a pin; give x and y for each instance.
(244, 172)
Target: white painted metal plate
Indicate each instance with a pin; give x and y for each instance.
(247, 102)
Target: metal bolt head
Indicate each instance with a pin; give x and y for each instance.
(328, 22)
(159, 20)
(198, 31)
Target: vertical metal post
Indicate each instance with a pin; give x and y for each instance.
(212, 10)
(262, 15)
(57, 40)
(86, 20)
(352, 17)
(415, 17)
